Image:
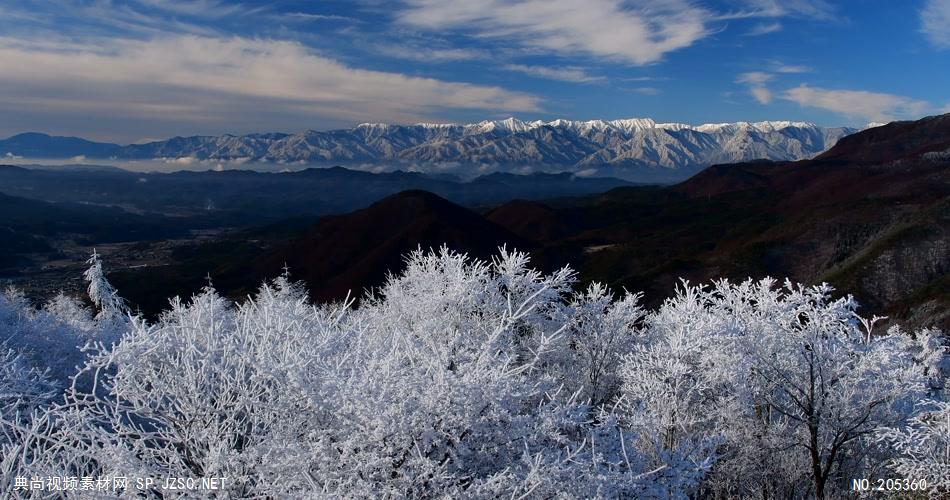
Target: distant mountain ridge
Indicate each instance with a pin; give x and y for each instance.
(39, 145)
(871, 217)
(637, 149)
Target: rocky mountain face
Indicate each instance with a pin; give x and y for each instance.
(634, 149)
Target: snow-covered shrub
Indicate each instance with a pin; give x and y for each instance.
(51, 339)
(923, 446)
(465, 378)
(210, 390)
(600, 331)
(23, 388)
(444, 383)
(40, 353)
(40, 339)
(789, 380)
(72, 312)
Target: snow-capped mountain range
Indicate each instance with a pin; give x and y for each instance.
(635, 149)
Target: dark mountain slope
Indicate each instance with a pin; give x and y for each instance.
(531, 220)
(894, 141)
(354, 251)
(720, 179)
(335, 255)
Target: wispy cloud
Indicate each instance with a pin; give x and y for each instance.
(790, 68)
(874, 106)
(613, 29)
(306, 16)
(568, 74)
(19, 15)
(201, 8)
(819, 10)
(223, 81)
(107, 19)
(754, 78)
(643, 79)
(756, 81)
(935, 22)
(764, 29)
(643, 90)
(429, 54)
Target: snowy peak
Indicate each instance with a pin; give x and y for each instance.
(634, 124)
(764, 127)
(626, 125)
(507, 125)
(638, 149)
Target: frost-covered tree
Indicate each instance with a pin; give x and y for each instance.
(23, 388)
(443, 383)
(453, 374)
(600, 331)
(51, 339)
(671, 389)
(40, 339)
(833, 382)
(42, 349)
(923, 446)
(787, 378)
(206, 391)
(71, 312)
(475, 379)
(102, 294)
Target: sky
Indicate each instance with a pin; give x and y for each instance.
(141, 70)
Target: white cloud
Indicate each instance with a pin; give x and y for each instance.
(754, 78)
(761, 94)
(935, 22)
(640, 34)
(183, 160)
(568, 74)
(873, 106)
(587, 172)
(790, 68)
(223, 83)
(643, 79)
(764, 29)
(427, 54)
(306, 16)
(756, 81)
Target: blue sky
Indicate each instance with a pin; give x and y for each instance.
(145, 69)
